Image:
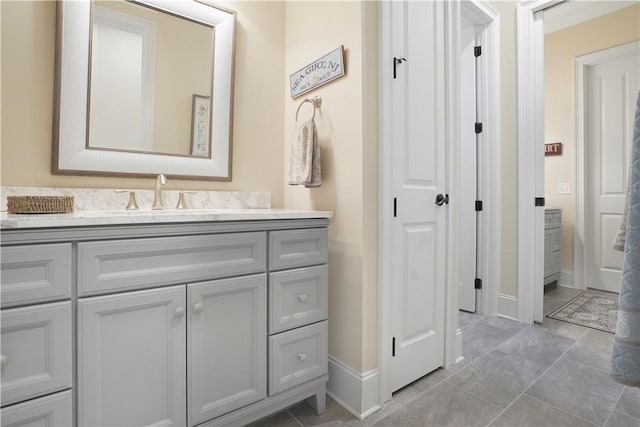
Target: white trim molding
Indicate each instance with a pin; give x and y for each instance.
(357, 392)
(530, 158)
(582, 64)
(566, 279)
(508, 306)
(487, 22)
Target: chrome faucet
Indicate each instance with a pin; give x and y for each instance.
(157, 201)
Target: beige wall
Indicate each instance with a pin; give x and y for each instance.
(28, 42)
(508, 145)
(561, 48)
(263, 117)
(348, 151)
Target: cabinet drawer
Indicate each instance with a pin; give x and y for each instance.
(36, 351)
(53, 410)
(297, 298)
(297, 248)
(35, 273)
(297, 356)
(113, 266)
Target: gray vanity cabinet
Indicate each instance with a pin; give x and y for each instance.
(132, 358)
(193, 324)
(227, 349)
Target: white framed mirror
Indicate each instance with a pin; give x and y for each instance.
(144, 87)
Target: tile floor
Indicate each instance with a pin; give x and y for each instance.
(554, 374)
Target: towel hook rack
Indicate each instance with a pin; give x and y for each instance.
(316, 102)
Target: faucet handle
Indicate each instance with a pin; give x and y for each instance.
(131, 205)
(181, 203)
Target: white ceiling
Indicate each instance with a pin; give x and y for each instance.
(572, 12)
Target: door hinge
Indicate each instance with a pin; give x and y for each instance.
(395, 207)
(396, 62)
(393, 347)
(478, 283)
(539, 201)
(478, 127)
(478, 205)
(477, 51)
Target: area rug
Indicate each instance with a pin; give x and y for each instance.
(592, 310)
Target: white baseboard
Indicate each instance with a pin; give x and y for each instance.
(508, 306)
(459, 357)
(358, 393)
(566, 279)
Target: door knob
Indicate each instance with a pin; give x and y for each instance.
(198, 307)
(442, 199)
(179, 311)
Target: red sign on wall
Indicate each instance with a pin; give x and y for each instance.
(553, 149)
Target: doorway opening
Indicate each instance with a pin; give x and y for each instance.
(563, 250)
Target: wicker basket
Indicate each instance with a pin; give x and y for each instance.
(39, 204)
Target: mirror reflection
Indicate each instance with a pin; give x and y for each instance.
(150, 81)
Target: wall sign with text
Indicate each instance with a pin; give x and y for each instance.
(553, 149)
(318, 73)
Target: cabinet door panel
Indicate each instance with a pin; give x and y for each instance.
(227, 345)
(132, 359)
(36, 350)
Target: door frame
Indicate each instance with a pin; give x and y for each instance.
(491, 183)
(530, 156)
(582, 63)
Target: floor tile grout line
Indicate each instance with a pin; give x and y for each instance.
(561, 410)
(538, 378)
(613, 408)
(474, 395)
(295, 419)
(556, 362)
(446, 379)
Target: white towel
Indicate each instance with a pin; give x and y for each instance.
(304, 156)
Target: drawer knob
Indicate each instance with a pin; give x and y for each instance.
(302, 356)
(198, 307)
(302, 297)
(3, 361)
(180, 311)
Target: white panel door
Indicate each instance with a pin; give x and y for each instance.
(227, 345)
(418, 158)
(468, 163)
(611, 94)
(132, 359)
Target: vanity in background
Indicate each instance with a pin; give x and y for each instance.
(552, 246)
(182, 320)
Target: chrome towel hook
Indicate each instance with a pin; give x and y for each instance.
(316, 102)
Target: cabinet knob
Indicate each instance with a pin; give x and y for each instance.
(3, 361)
(302, 356)
(302, 297)
(198, 307)
(180, 311)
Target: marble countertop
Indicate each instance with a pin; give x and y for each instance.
(121, 217)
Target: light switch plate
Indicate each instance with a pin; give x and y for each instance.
(564, 188)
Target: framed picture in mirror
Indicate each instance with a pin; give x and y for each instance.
(200, 126)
